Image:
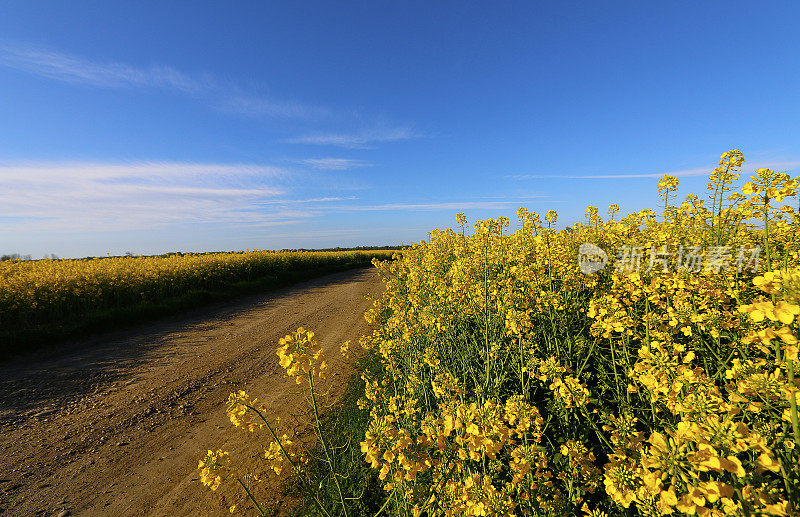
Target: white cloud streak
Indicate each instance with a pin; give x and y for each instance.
(141, 170)
(360, 140)
(95, 197)
(223, 96)
(310, 200)
(63, 67)
(424, 207)
(334, 164)
(258, 107)
(747, 169)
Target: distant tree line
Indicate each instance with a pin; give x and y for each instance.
(53, 256)
(17, 256)
(356, 248)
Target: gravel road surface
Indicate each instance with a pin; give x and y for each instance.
(115, 425)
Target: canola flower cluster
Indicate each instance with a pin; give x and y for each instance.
(49, 291)
(301, 356)
(303, 360)
(514, 384)
(211, 465)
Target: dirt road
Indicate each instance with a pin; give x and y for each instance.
(116, 425)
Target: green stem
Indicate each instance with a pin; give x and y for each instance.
(786, 483)
(766, 236)
(614, 365)
(385, 504)
(253, 499)
(582, 409)
(745, 504)
(295, 467)
(325, 444)
(549, 264)
(793, 402)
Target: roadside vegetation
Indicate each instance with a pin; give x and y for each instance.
(503, 380)
(45, 301)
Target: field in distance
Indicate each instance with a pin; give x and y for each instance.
(49, 300)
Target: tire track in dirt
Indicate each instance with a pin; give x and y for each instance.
(115, 425)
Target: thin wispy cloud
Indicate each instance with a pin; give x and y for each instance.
(309, 200)
(747, 169)
(316, 234)
(67, 68)
(221, 95)
(141, 196)
(423, 207)
(153, 170)
(360, 140)
(334, 164)
(346, 232)
(258, 107)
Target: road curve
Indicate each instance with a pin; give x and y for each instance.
(115, 425)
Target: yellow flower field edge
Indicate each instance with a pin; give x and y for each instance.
(46, 300)
(329, 473)
(510, 382)
(516, 384)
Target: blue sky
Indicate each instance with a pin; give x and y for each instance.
(196, 126)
